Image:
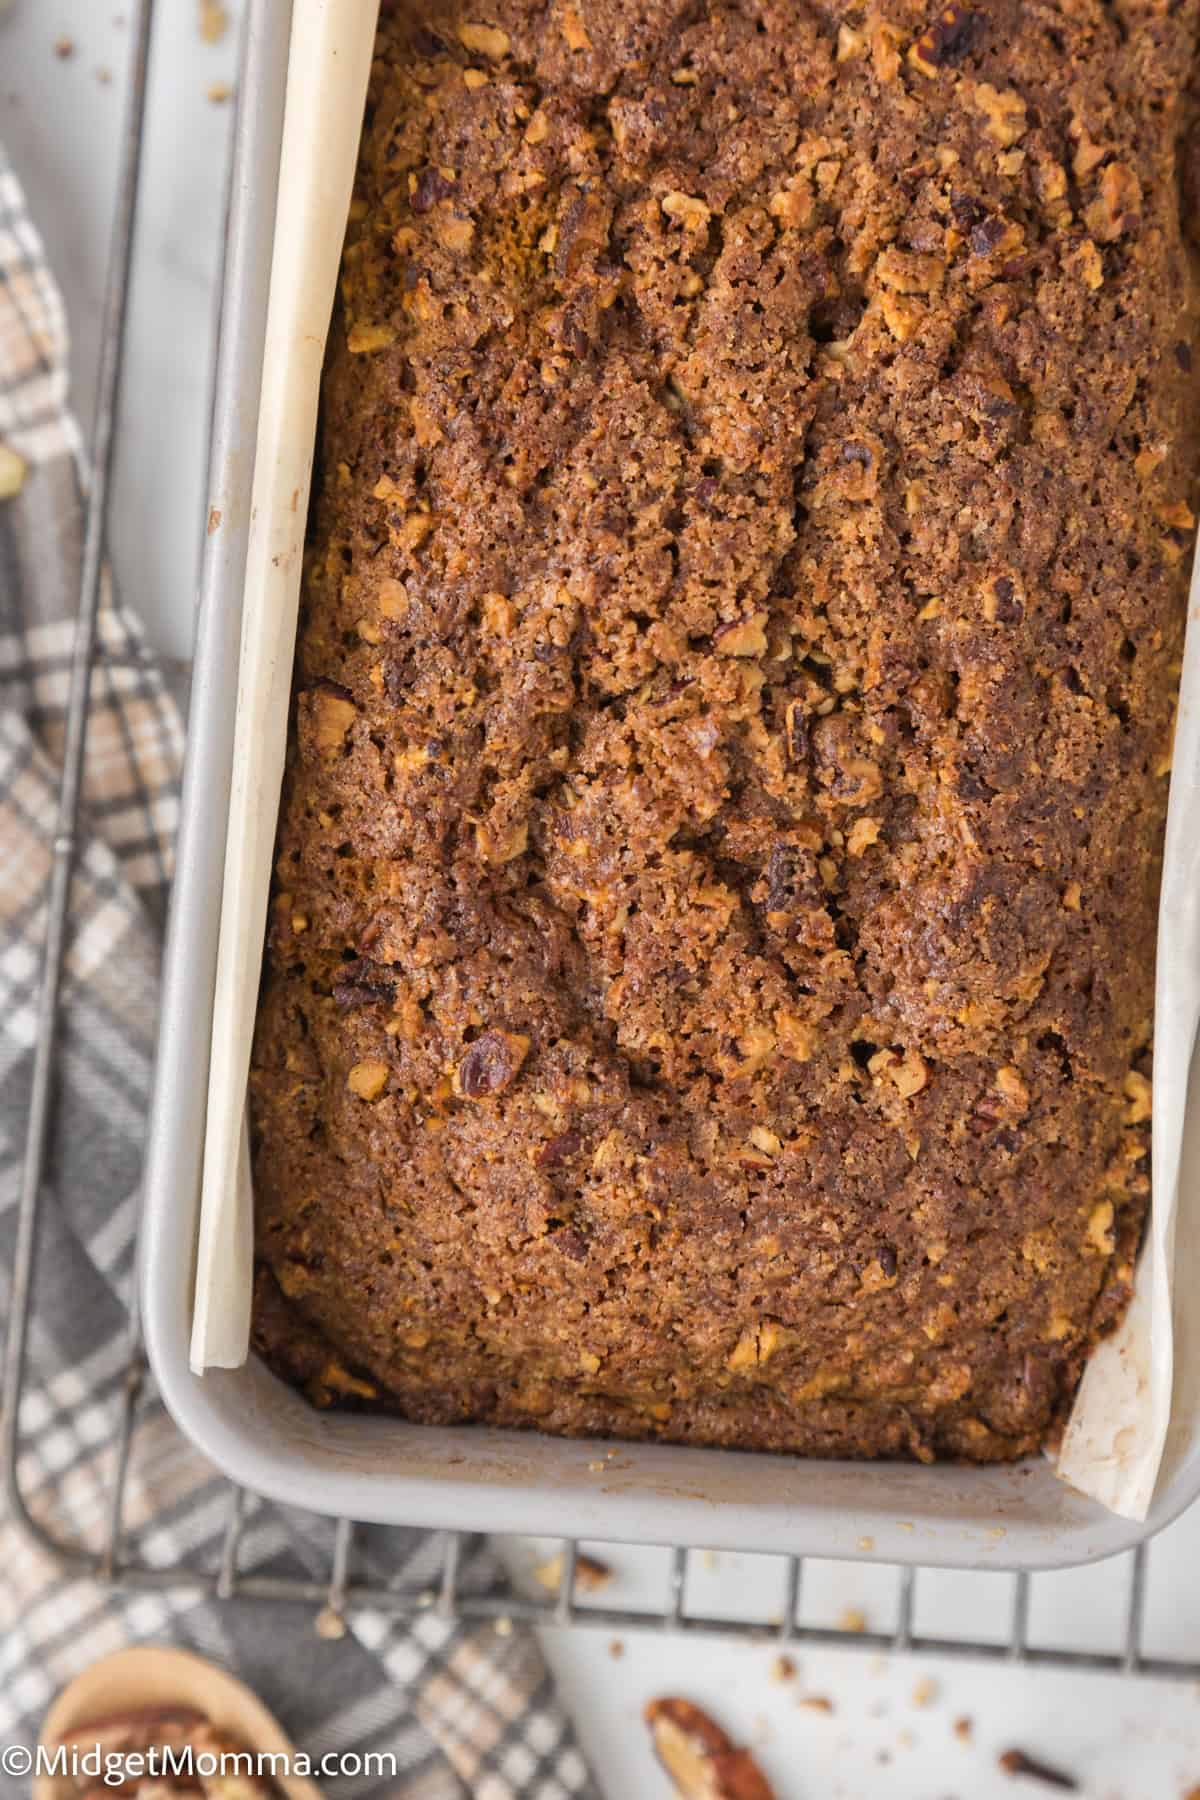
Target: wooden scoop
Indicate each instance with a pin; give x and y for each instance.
(153, 1678)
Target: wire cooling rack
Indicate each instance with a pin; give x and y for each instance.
(334, 1598)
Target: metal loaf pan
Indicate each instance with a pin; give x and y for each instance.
(264, 1435)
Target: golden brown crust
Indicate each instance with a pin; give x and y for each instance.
(709, 983)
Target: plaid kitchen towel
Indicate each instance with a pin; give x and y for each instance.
(465, 1711)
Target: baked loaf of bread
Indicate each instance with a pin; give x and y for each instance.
(710, 971)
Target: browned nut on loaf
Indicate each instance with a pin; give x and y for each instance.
(491, 1063)
(333, 712)
(699, 1757)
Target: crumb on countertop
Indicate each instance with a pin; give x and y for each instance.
(13, 469)
(590, 1573)
(214, 21)
(1019, 1762)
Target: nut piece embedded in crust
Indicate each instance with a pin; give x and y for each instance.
(952, 35)
(491, 1063)
(692, 212)
(368, 1079)
(699, 1757)
(487, 40)
(333, 713)
(745, 637)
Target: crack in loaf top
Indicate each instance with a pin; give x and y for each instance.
(711, 960)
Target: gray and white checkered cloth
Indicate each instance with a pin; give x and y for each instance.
(466, 1711)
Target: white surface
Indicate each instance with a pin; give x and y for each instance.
(1122, 1739)
(1130, 1741)
(59, 122)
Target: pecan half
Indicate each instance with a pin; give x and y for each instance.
(558, 1149)
(363, 983)
(698, 1756)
